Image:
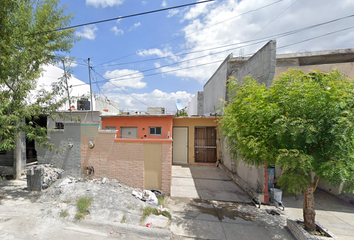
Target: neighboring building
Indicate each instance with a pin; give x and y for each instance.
(135, 149)
(195, 106)
(156, 110)
(264, 66)
(106, 107)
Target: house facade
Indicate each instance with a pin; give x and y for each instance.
(195, 140)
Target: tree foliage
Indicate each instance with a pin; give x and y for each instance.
(27, 43)
(181, 113)
(303, 123)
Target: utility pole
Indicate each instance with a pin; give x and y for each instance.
(89, 68)
(67, 90)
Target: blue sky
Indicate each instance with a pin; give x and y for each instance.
(187, 37)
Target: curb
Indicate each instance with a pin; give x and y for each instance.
(155, 233)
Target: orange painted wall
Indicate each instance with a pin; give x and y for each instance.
(142, 123)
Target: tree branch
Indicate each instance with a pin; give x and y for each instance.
(9, 86)
(316, 182)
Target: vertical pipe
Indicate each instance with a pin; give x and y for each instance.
(91, 105)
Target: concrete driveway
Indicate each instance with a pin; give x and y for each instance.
(205, 182)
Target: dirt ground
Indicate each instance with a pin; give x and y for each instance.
(114, 212)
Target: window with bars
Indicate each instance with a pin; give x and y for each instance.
(155, 130)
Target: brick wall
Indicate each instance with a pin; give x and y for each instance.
(120, 160)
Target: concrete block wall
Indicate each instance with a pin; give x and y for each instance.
(62, 156)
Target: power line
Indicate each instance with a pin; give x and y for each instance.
(218, 61)
(197, 31)
(122, 17)
(120, 89)
(274, 19)
(284, 34)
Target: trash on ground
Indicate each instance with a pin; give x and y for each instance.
(146, 196)
(162, 209)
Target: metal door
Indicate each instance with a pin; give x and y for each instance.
(180, 145)
(205, 144)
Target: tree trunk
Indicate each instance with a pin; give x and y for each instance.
(309, 209)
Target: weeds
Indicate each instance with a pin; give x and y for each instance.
(148, 210)
(64, 213)
(124, 219)
(161, 201)
(82, 206)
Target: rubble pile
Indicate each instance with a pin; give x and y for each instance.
(111, 199)
(50, 174)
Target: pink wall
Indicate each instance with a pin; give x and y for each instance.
(142, 123)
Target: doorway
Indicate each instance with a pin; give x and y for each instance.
(205, 144)
(180, 145)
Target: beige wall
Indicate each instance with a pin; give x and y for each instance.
(191, 123)
(347, 68)
(127, 160)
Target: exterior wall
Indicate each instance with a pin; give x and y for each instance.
(191, 123)
(142, 123)
(103, 104)
(261, 66)
(124, 159)
(193, 106)
(215, 88)
(347, 68)
(84, 116)
(62, 156)
(8, 159)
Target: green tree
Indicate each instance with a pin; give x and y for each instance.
(303, 123)
(181, 113)
(27, 43)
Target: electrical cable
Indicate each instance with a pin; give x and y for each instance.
(196, 31)
(121, 89)
(122, 17)
(273, 19)
(218, 61)
(249, 41)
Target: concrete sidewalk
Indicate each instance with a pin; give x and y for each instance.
(202, 219)
(205, 182)
(332, 212)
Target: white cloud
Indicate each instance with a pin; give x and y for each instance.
(156, 98)
(124, 78)
(135, 26)
(117, 31)
(164, 3)
(88, 32)
(144, 2)
(172, 12)
(160, 53)
(104, 3)
(217, 24)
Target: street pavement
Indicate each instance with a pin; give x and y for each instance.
(206, 204)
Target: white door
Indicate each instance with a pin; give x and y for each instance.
(180, 145)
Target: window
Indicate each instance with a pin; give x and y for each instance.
(129, 132)
(154, 130)
(59, 125)
(109, 128)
